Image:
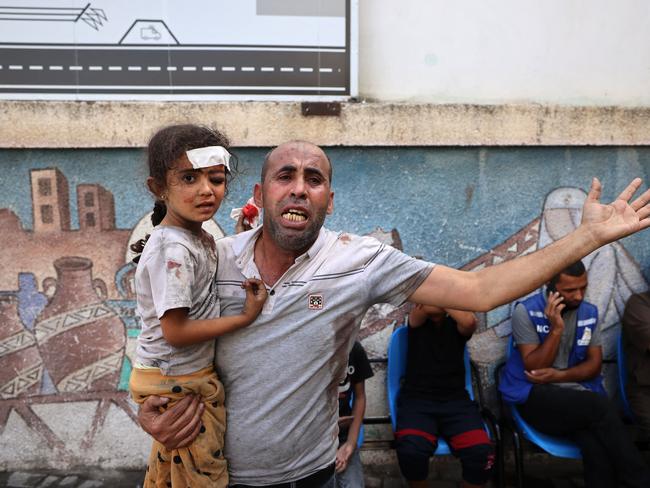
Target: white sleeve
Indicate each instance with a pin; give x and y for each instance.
(171, 273)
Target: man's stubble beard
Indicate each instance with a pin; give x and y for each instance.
(295, 242)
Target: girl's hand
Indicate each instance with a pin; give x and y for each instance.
(256, 295)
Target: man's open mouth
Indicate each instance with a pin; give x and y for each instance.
(295, 215)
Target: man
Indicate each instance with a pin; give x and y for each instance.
(281, 373)
(434, 402)
(352, 407)
(636, 337)
(554, 378)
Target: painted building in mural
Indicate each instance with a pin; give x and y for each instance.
(67, 304)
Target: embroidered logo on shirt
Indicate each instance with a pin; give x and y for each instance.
(315, 302)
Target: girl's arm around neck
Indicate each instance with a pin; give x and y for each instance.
(179, 330)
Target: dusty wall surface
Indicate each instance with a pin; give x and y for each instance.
(559, 52)
(25, 124)
(67, 302)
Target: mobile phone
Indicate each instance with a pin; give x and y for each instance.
(550, 288)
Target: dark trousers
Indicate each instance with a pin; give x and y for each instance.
(609, 456)
(420, 422)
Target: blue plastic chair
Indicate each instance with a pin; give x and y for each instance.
(361, 430)
(397, 354)
(622, 377)
(555, 446)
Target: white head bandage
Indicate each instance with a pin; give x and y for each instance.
(204, 157)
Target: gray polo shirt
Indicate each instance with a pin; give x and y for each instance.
(281, 373)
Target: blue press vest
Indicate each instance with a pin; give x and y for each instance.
(514, 385)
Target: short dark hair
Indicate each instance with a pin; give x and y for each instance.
(575, 269)
(268, 155)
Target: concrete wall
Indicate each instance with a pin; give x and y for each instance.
(66, 356)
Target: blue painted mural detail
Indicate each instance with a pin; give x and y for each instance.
(450, 205)
(31, 302)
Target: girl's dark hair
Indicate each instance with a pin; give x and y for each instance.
(165, 148)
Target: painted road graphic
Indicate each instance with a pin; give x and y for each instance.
(175, 52)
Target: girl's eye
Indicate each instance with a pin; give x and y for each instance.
(189, 178)
(217, 181)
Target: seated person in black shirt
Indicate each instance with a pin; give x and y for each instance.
(433, 401)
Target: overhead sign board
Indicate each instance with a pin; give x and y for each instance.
(178, 49)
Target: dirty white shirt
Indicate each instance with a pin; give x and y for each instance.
(176, 270)
(281, 373)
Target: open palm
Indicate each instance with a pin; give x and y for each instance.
(607, 223)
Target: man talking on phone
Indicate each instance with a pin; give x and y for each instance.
(553, 376)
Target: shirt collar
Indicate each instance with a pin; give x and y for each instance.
(243, 246)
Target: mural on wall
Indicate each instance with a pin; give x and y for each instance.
(64, 329)
(67, 302)
(613, 276)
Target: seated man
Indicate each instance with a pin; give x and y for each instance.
(349, 471)
(554, 377)
(433, 401)
(636, 340)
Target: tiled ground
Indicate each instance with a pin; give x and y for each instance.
(542, 471)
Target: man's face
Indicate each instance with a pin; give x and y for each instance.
(295, 195)
(572, 289)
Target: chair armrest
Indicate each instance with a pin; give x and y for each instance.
(477, 377)
(493, 424)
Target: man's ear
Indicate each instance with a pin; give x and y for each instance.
(330, 205)
(257, 195)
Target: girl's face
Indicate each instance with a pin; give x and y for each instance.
(193, 196)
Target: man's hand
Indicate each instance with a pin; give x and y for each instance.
(343, 456)
(175, 427)
(544, 375)
(606, 223)
(553, 312)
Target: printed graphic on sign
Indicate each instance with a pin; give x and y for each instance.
(195, 49)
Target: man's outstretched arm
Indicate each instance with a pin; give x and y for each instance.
(495, 285)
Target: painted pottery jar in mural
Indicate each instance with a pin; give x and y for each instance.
(81, 339)
(21, 366)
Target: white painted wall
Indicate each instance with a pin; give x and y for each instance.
(569, 52)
